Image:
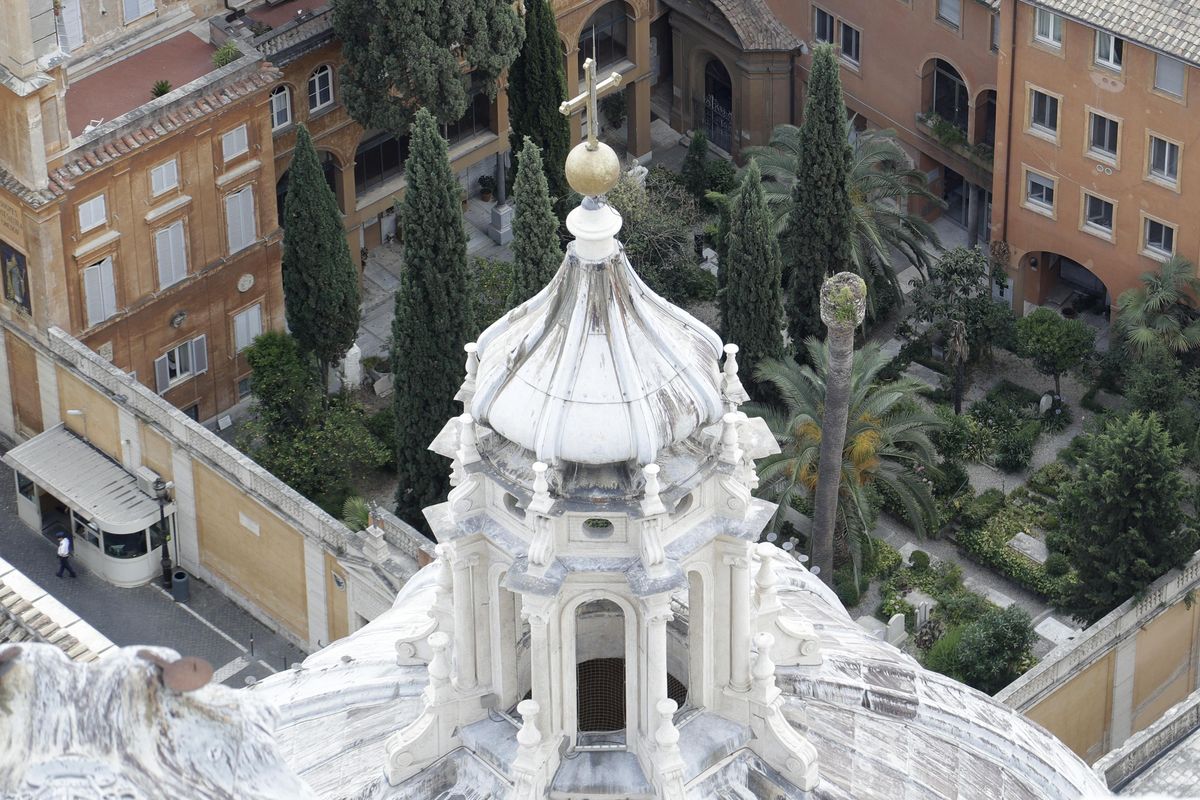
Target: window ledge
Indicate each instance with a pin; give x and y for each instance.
(166, 208)
(1039, 209)
(1099, 233)
(1042, 133)
(237, 172)
(1166, 183)
(1156, 255)
(96, 242)
(1104, 158)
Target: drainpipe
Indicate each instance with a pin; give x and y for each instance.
(1012, 75)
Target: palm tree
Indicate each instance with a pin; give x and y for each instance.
(880, 185)
(886, 448)
(1161, 310)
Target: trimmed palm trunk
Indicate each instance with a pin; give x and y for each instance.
(843, 306)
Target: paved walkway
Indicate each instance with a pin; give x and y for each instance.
(209, 626)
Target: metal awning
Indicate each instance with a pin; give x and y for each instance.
(87, 480)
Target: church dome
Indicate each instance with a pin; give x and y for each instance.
(597, 368)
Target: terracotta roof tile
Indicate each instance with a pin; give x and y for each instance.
(1170, 26)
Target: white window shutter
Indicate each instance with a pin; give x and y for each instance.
(162, 378)
(199, 354)
(92, 295)
(255, 321)
(248, 216)
(145, 7)
(108, 287)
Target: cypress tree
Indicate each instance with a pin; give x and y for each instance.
(752, 302)
(401, 55)
(816, 242)
(320, 281)
(536, 88)
(1122, 515)
(695, 165)
(536, 250)
(432, 321)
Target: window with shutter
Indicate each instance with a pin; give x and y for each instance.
(163, 177)
(234, 143)
(92, 213)
(246, 326)
(99, 291)
(239, 219)
(136, 9)
(172, 254)
(199, 354)
(162, 378)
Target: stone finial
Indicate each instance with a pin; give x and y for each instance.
(843, 301)
(732, 391)
(439, 664)
(765, 579)
(651, 502)
(731, 452)
(529, 736)
(763, 670)
(542, 502)
(667, 735)
(467, 392)
(468, 453)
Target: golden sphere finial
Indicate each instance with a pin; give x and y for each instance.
(593, 172)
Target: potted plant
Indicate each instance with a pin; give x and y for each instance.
(487, 185)
(160, 88)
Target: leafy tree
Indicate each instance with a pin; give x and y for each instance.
(320, 281)
(432, 321)
(752, 303)
(537, 253)
(1154, 383)
(817, 239)
(1054, 344)
(887, 442)
(1161, 311)
(656, 232)
(491, 288)
(695, 165)
(317, 450)
(1122, 515)
(401, 55)
(536, 88)
(994, 649)
(882, 189)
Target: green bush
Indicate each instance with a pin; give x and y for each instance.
(1057, 417)
(1014, 447)
(983, 508)
(1057, 564)
(226, 54)
(845, 587)
(961, 607)
(943, 656)
(382, 425)
(947, 577)
(919, 560)
(989, 546)
(1058, 542)
(995, 649)
(720, 176)
(950, 479)
(895, 604)
(885, 559)
(1049, 479)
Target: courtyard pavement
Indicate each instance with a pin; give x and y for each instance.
(209, 626)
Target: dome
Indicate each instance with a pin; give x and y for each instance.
(597, 368)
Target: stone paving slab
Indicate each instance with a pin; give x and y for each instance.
(1055, 630)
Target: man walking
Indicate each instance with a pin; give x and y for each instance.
(64, 555)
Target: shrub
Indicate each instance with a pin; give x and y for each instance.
(961, 607)
(950, 479)
(160, 88)
(356, 513)
(885, 559)
(919, 560)
(226, 54)
(895, 604)
(1049, 478)
(845, 587)
(382, 425)
(1057, 417)
(1058, 542)
(947, 577)
(1014, 446)
(720, 176)
(983, 508)
(994, 649)
(989, 546)
(1057, 564)
(943, 656)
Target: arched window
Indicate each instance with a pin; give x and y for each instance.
(605, 37)
(320, 88)
(950, 95)
(281, 107)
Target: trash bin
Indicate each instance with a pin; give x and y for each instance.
(179, 586)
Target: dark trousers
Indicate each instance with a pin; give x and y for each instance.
(64, 562)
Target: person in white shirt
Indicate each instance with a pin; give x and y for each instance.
(64, 555)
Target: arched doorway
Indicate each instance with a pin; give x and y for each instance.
(605, 37)
(1072, 289)
(600, 674)
(717, 107)
(950, 99)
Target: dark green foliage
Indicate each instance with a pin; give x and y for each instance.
(943, 656)
(984, 507)
(491, 290)
(846, 587)
(382, 425)
(536, 88)
(1123, 514)
(720, 176)
(950, 479)
(695, 165)
(817, 239)
(919, 560)
(320, 280)
(656, 231)
(314, 449)
(160, 88)
(1014, 446)
(432, 322)
(537, 253)
(1057, 564)
(960, 607)
(752, 303)
(1154, 382)
(404, 55)
(880, 559)
(1053, 343)
(226, 54)
(959, 290)
(1050, 478)
(994, 649)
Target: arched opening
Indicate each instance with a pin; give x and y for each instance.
(1070, 288)
(698, 646)
(716, 111)
(512, 671)
(600, 674)
(946, 94)
(330, 169)
(605, 37)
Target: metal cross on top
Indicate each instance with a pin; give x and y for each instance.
(588, 98)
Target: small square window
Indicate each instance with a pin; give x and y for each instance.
(1048, 28)
(851, 43)
(1039, 191)
(243, 388)
(1110, 50)
(822, 26)
(234, 143)
(1044, 114)
(92, 213)
(1098, 213)
(164, 177)
(1170, 75)
(1164, 159)
(950, 11)
(1102, 138)
(1160, 238)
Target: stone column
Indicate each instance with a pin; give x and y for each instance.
(739, 622)
(973, 214)
(8, 416)
(658, 613)
(538, 611)
(466, 676)
(637, 127)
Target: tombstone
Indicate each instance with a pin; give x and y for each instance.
(638, 172)
(896, 634)
(351, 368)
(383, 386)
(922, 614)
(1045, 404)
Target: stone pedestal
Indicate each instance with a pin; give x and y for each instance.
(500, 228)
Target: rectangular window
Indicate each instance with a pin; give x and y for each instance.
(180, 363)
(239, 219)
(1164, 159)
(378, 160)
(26, 487)
(1102, 139)
(1044, 113)
(1098, 213)
(234, 143)
(136, 9)
(164, 177)
(950, 11)
(92, 213)
(171, 248)
(995, 32)
(247, 324)
(1049, 28)
(1039, 191)
(1169, 75)
(1110, 50)
(243, 388)
(823, 26)
(475, 120)
(1160, 237)
(99, 292)
(281, 107)
(851, 43)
